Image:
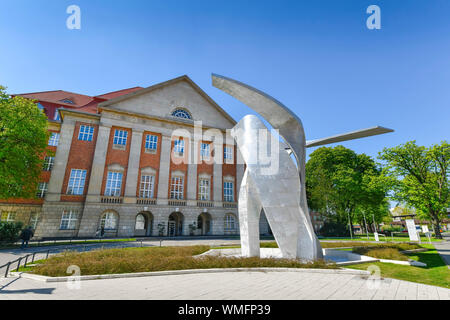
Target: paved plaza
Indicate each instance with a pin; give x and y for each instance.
(226, 286)
(220, 285)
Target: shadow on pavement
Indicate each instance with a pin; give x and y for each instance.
(36, 291)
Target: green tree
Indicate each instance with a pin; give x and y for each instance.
(345, 186)
(23, 142)
(422, 176)
(10, 231)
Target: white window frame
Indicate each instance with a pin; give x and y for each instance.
(120, 137)
(228, 153)
(10, 216)
(34, 220)
(42, 190)
(114, 184)
(205, 151)
(147, 186)
(204, 189)
(177, 188)
(151, 143)
(77, 181)
(140, 223)
(230, 222)
(54, 139)
(86, 133)
(228, 191)
(178, 147)
(48, 163)
(109, 220)
(183, 114)
(57, 116)
(69, 220)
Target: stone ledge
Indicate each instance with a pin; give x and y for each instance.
(181, 272)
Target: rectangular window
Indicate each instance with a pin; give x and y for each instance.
(228, 194)
(34, 219)
(151, 143)
(69, 220)
(228, 153)
(120, 137)
(147, 183)
(54, 139)
(86, 133)
(204, 152)
(8, 216)
(178, 147)
(177, 188)
(113, 184)
(57, 117)
(76, 182)
(42, 190)
(48, 163)
(204, 189)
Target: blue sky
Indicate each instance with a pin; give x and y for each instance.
(317, 57)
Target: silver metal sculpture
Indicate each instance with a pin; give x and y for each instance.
(252, 193)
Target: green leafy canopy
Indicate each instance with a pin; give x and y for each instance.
(421, 177)
(23, 142)
(343, 185)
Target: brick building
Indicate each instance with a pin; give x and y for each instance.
(136, 163)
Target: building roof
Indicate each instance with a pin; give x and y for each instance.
(59, 97)
(75, 100)
(91, 104)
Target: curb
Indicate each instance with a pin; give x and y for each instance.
(182, 272)
(405, 263)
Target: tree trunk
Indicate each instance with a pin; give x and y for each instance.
(437, 226)
(351, 224)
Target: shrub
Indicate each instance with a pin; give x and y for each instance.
(381, 253)
(334, 229)
(387, 229)
(387, 251)
(113, 261)
(10, 231)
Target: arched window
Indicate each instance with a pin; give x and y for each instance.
(140, 222)
(109, 221)
(230, 222)
(180, 113)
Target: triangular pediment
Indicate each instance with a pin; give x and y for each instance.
(163, 99)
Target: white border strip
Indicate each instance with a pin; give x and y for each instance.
(181, 272)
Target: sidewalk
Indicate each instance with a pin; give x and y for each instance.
(443, 248)
(226, 286)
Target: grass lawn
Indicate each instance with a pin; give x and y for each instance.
(129, 260)
(382, 238)
(343, 244)
(436, 273)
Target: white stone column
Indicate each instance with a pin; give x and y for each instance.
(98, 164)
(192, 175)
(61, 158)
(217, 178)
(133, 167)
(164, 170)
